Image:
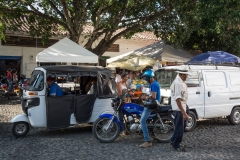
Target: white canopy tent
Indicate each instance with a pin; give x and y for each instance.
(153, 51)
(66, 51)
(171, 54)
(157, 51)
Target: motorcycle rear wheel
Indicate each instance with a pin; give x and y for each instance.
(163, 134)
(103, 135)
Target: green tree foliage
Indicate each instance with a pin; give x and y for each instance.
(193, 24)
(2, 31)
(209, 25)
(127, 17)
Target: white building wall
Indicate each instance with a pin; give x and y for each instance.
(128, 45)
(28, 64)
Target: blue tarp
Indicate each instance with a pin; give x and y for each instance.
(10, 57)
(215, 57)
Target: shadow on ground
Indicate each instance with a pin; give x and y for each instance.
(12, 101)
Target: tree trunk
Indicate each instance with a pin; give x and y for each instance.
(74, 38)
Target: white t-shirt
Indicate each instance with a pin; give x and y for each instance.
(178, 90)
(118, 78)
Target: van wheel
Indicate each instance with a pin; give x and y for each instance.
(20, 129)
(234, 117)
(191, 123)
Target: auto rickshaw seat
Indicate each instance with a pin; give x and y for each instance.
(66, 91)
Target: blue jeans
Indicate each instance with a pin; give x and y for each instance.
(143, 122)
(10, 87)
(179, 129)
(120, 116)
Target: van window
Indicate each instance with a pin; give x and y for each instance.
(215, 79)
(193, 79)
(234, 78)
(36, 82)
(165, 77)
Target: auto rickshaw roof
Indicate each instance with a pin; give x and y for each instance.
(65, 68)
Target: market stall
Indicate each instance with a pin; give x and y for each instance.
(66, 51)
(133, 62)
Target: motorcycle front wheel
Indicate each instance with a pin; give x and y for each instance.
(163, 133)
(104, 134)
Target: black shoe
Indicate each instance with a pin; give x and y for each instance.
(181, 145)
(180, 149)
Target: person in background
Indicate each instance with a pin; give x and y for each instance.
(137, 74)
(25, 83)
(122, 84)
(121, 89)
(130, 79)
(9, 78)
(155, 94)
(179, 97)
(118, 76)
(55, 89)
(15, 77)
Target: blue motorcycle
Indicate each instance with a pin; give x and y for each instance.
(108, 127)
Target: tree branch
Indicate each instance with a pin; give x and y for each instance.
(67, 16)
(44, 16)
(57, 10)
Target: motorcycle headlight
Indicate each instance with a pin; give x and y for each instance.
(165, 100)
(113, 102)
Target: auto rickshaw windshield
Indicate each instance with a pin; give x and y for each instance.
(36, 82)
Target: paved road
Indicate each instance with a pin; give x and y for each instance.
(211, 140)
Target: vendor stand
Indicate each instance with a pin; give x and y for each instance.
(135, 63)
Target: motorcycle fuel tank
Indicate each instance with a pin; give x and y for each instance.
(133, 108)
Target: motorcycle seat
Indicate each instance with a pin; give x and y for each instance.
(163, 108)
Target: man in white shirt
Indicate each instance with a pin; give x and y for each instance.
(179, 97)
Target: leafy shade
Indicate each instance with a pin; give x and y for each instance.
(2, 31)
(109, 19)
(209, 26)
(193, 24)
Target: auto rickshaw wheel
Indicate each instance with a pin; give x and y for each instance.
(20, 129)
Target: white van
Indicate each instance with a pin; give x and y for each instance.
(213, 91)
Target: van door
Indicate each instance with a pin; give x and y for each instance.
(234, 89)
(216, 93)
(196, 93)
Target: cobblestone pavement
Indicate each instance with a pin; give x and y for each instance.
(212, 139)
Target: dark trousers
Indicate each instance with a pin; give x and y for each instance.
(179, 129)
(187, 111)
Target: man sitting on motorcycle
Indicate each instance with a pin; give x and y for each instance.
(155, 94)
